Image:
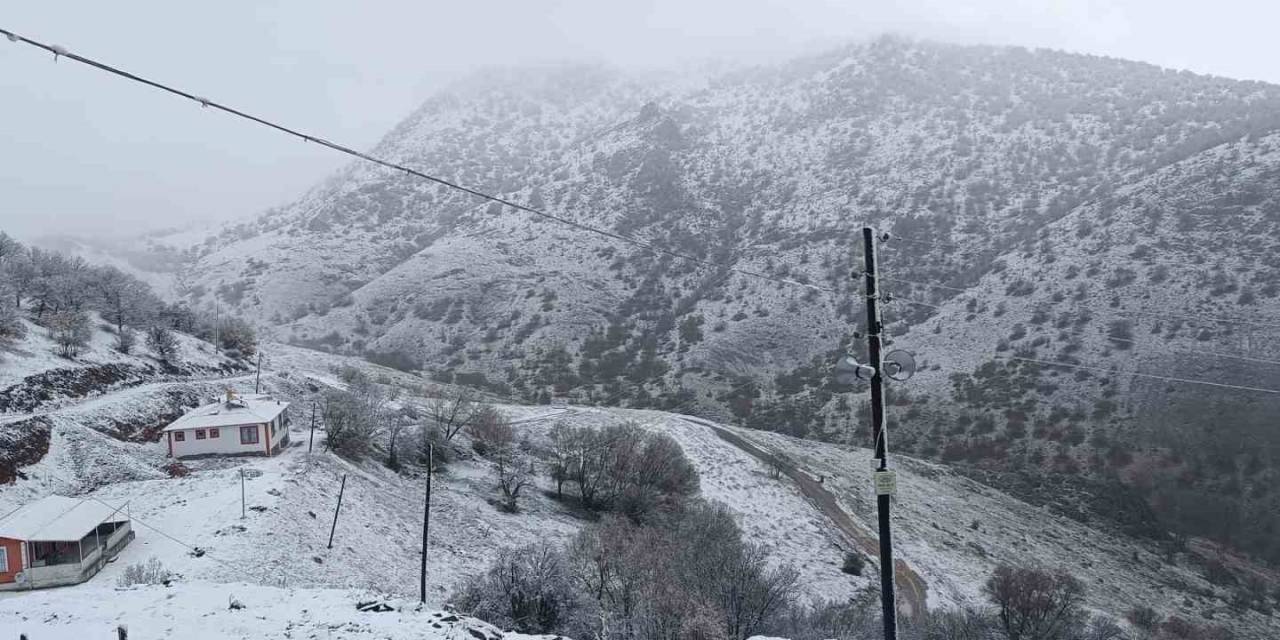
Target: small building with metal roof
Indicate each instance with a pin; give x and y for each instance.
(57, 541)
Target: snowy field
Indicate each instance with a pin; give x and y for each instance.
(203, 611)
(276, 550)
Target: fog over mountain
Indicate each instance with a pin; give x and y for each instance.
(88, 153)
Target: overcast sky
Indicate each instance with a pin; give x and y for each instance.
(90, 153)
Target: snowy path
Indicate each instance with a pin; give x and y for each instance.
(912, 587)
(116, 395)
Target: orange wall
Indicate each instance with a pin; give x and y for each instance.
(15, 559)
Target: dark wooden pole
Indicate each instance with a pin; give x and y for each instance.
(311, 441)
(426, 524)
(337, 509)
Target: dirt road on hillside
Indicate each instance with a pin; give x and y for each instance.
(912, 590)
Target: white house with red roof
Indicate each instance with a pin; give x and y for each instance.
(237, 425)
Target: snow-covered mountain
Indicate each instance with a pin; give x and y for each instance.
(1013, 178)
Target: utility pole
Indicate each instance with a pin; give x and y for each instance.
(217, 324)
(312, 439)
(242, 493)
(889, 611)
(341, 489)
(257, 377)
(426, 525)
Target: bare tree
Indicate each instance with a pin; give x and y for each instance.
(396, 424)
(1035, 604)
(237, 337)
(489, 430)
(120, 296)
(354, 417)
(21, 273)
(563, 445)
(515, 470)
(163, 343)
(71, 330)
(126, 338)
(11, 327)
(451, 413)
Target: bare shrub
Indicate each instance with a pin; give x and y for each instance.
(162, 342)
(958, 624)
(489, 430)
(1143, 617)
(853, 563)
(622, 468)
(151, 572)
(650, 581)
(433, 446)
(451, 413)
(71, 331)
(355, 417)
(1035, 604)
(526, 589)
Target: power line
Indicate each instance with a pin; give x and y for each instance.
(1173, 349)
(1200, 318)
(915, 302)
(1094, 301)
(58, 51)
(200, 552)
(928, 243)
(922, 284)
(1137, 374)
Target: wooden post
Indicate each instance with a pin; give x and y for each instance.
(426, 525)
(341, 489)
(312, 440)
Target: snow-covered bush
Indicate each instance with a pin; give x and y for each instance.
(853, 563)
(162, 342)
(11, 327)
(527, 589)
(150, 572)
(125, 340)
(72, 331)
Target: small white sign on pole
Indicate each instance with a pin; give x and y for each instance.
(886, 483)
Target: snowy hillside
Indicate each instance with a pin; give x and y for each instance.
(277, 552)
(1025, 189)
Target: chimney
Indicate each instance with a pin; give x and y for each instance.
(231, 395)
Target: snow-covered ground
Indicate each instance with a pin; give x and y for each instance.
(202, 611)
(276, 550)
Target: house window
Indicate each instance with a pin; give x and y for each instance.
(199, 434)
(249, 435)
(179, 436)
(213, 433)
(4, 560)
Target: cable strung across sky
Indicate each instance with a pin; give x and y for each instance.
(62, 52)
